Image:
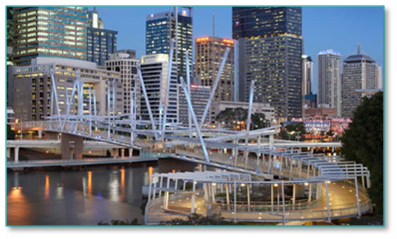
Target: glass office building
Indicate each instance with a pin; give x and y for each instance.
(100, 42)
(329, 80)
(359, 72)
(160, 28)
(49, 32)
(270, 53)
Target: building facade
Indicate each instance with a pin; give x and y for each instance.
(307, 75)
(270, 53)
(359, 72)
(329, 82)
(33, 87)
(100, 42)
(49, 32)
(154, 70)
(209, 53)
(160, 29)
(127, 67)
(199, 96)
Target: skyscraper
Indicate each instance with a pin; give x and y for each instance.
(49, 32)
(307, 75)
(270, 52)
(209, 54)
(329, 81)
(127, 66)
(101, 42)
(160, 28)
(359, 72)
(155, 76)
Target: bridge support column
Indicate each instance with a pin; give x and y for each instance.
(271, 196)
(227, 197)
(206, 198)
(65, 146)
(8, 153)
(16, 152)
(248, 197)
(40, 131)
(122, 152)
(213, 191)
(293, 195)
(130, 150)
(115, 152)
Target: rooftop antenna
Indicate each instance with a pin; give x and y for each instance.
(213, 24)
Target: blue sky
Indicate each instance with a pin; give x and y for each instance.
(338, 28)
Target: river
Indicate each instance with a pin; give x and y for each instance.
(76, 197)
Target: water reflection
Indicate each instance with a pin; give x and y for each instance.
(47, 187)
(76, 197)
(122, 185)
(89, 184)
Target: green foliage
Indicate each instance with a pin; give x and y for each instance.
(297, 127)
(10, 133)
(22, 158)
(375, 220)
(197, 219)
(114, 222)
(231, 117)
(143, 207)
(188, 186)
(363, 143)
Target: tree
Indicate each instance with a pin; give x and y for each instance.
(197, 219)
(119, 223)
(297, 127)
(231, 116)
(10, 133)
(363, 143)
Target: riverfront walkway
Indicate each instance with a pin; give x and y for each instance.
(342, 203)
(77, 162)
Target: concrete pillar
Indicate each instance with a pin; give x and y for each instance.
(205, 192)
(78, 147)
(227, 197)
(327, 196)
(122, 152)
(213, 191)
(65, 146)
(40, 131)
(271, 196)
(192, 208)
(130, 150)
(115, 152)
(8, 153)
(293, 194)
(16, 149)
(310, 193)
(248, 198)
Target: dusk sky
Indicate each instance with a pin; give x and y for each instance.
(337, 28)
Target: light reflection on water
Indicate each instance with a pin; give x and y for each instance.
(76, 197)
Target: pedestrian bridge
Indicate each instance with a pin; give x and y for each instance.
(310, 187)
(77, 162)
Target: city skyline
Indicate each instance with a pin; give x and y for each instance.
(359, 28)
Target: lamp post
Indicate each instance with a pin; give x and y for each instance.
(16, 121)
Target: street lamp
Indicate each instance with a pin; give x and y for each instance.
(16, 121)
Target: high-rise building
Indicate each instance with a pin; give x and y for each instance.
(199, 97)
(127, 66)
(270, 53)
(154, 70)
(379, 77)
(160, 29)
(101, 42)
(307, 75)
(49, 32)
(209, 53)
(359, 72)
(33, 87)
(329, 82)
